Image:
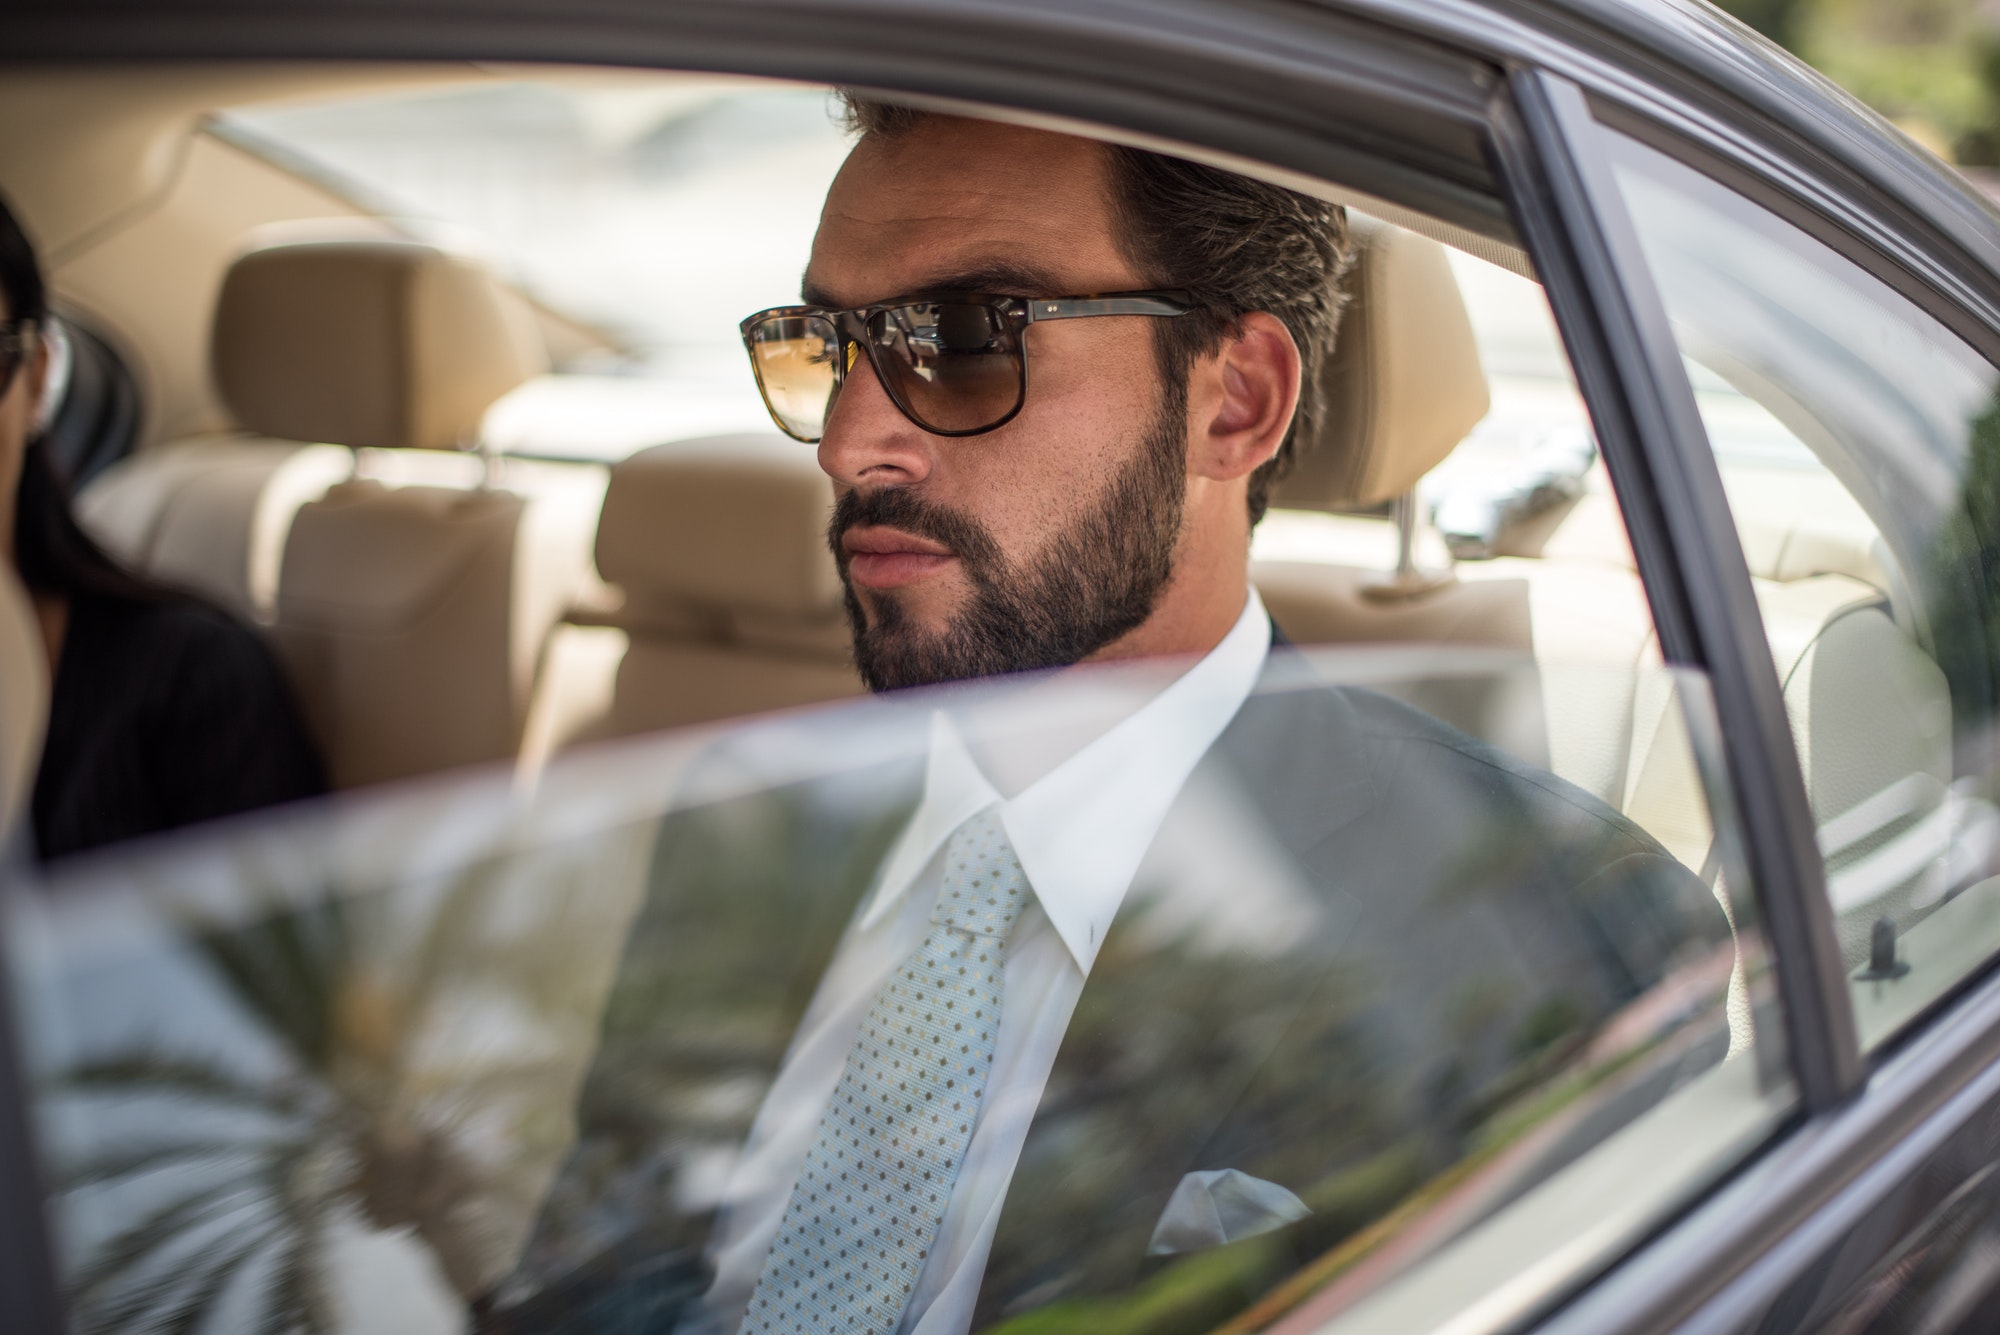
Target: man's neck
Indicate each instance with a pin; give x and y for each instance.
(1199, 605)
(1022, 732)
(1018, 731)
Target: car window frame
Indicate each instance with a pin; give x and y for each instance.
(1522, 122)
(1743, 1258)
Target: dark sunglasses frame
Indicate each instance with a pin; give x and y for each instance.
(852, 329)
(16, 342)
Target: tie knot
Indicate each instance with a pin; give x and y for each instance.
(984, 887)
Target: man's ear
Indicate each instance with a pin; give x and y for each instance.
(1252, 387)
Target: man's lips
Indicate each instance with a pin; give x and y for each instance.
(888, 558)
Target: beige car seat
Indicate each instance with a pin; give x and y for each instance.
(24, 706)
(412, 617)
(730, 602)
(1403, 389)
(1869, 710)
(410, 614)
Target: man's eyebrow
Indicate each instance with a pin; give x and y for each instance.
(1000, 277)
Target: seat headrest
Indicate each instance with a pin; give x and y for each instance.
(1404, 385)
(370, 344)
(724, 523)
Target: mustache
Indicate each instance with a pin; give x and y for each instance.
(900, 507)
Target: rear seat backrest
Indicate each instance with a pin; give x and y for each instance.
(1403, 387)
(1404, 384)
(402, 612)
(369, 344)
(731, 602)
(211, 514)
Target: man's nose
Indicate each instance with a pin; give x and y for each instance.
(868, 441)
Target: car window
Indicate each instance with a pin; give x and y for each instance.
(1392, 1027)
(1857, 439)
(1439, 985)
(656, 211)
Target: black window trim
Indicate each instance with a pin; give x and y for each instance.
(1877, 250)
(1684, 540)
(1748, 1246)
(1942, 284)
(1898, 213)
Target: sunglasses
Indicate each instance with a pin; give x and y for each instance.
(16, 338)
(955, 364)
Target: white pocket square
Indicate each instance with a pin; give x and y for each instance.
(1222, 1205)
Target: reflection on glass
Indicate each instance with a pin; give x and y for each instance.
(1414, 1030)
(654, 209)
(1857, 440)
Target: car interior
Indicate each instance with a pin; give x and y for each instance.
(328, 442)
(312, 456)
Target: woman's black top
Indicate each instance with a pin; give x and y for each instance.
(164, 713)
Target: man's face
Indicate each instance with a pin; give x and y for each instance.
(1039, 543)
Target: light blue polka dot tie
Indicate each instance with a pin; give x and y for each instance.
(866, 1208)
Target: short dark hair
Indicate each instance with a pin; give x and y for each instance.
(20, 273)
(52, 553)
(1238, 244)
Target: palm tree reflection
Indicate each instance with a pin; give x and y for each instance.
(386, 1098)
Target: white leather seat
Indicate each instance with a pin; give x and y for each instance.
(1402, 390)
(730, 601)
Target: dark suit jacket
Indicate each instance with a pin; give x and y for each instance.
(1387, 931)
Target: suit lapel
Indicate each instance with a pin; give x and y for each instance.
(1184, 1004)
(1296, 748)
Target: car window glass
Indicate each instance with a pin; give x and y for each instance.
(1406, 1031)
(655, 211)
(1857, 438)
(1440, 984)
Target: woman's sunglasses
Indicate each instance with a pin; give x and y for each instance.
(956, 364)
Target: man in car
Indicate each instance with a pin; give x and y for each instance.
(1070, 1006)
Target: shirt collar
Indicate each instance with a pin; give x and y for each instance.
(1081, 830)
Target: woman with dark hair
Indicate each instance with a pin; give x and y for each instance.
(164, 710)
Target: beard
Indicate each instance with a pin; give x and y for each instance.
(1091, 583)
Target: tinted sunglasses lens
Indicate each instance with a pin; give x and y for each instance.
(951, 366)
(794, 357)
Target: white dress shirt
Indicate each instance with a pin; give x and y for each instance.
(1080, 832)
